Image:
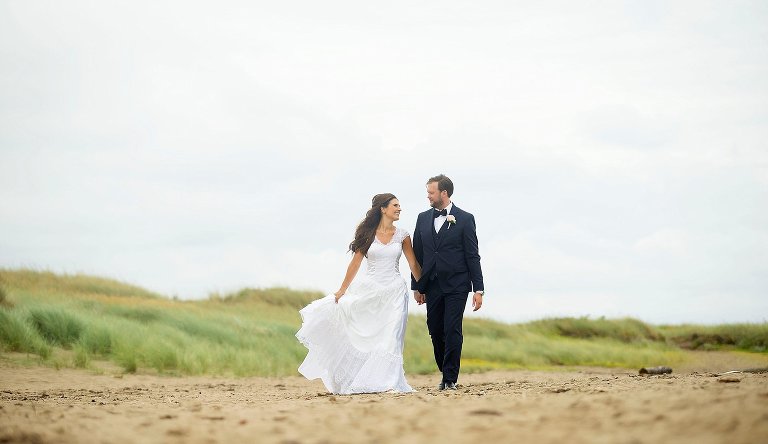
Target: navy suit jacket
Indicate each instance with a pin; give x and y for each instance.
(451, 256)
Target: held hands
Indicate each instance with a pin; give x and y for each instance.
(419, 297)
(477, 301)
(339, 294)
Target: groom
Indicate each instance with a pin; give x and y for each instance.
(445, 244)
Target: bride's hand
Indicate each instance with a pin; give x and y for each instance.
(338, 295)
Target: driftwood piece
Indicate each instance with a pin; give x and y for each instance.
(727, 379)
(746, 370)
(655, 370)
(756, 370)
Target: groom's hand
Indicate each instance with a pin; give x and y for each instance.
(477, 301)
(420, 297)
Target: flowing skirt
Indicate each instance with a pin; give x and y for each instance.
(356, 346)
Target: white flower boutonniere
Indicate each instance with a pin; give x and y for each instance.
(451, 219)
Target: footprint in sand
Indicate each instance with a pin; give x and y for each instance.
(177, 432)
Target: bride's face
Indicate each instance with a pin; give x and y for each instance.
(393, 210)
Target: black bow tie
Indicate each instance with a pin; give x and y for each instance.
(438, 213)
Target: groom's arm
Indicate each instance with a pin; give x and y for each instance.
(472, 254)
(417, 250)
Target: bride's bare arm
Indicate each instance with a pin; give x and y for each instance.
(354, 265)
(411, 258)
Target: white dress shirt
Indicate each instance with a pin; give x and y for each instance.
(441, 219)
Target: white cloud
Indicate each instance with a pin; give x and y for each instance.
(613, 155)
(664, 241)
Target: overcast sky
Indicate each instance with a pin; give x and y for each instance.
(614, 154)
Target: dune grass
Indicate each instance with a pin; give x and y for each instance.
(80, 321)
(748, 337)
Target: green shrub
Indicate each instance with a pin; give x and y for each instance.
(96, 339)
(56, 325)
(161, 356)
(625, 330)
(279, 296)
(81, 358)
(218, 332)
(748, 337)
(141, 314)
(16, 334)
(251, 332)
(127, 361)
(65, 284)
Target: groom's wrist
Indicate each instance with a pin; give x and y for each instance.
(480, 292)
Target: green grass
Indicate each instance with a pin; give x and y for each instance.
(747, 337)
(56, 325)
(18, 335)
(82, 321)
(626, 330)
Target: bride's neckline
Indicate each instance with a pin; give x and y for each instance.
(376, 236)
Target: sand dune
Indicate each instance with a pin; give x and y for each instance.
(40, 405)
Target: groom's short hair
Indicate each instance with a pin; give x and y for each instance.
(443, 183)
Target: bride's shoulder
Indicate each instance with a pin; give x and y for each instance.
(401, 233)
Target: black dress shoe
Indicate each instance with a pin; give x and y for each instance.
(450, 386)
(441, 386)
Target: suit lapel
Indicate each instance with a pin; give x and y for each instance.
(443, 226)
(429, 235)
(454, 211)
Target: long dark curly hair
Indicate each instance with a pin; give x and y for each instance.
(366, 230)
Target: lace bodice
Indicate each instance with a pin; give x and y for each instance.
(384, 259)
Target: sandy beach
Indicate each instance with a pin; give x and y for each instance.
(42, 405)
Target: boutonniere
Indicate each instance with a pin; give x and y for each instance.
(451, 219)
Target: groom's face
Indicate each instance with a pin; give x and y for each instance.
(437, 199)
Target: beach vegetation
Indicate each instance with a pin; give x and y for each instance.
(93, 322)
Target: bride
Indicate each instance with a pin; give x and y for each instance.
(355, 336)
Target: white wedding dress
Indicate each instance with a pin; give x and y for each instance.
(356, 346)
